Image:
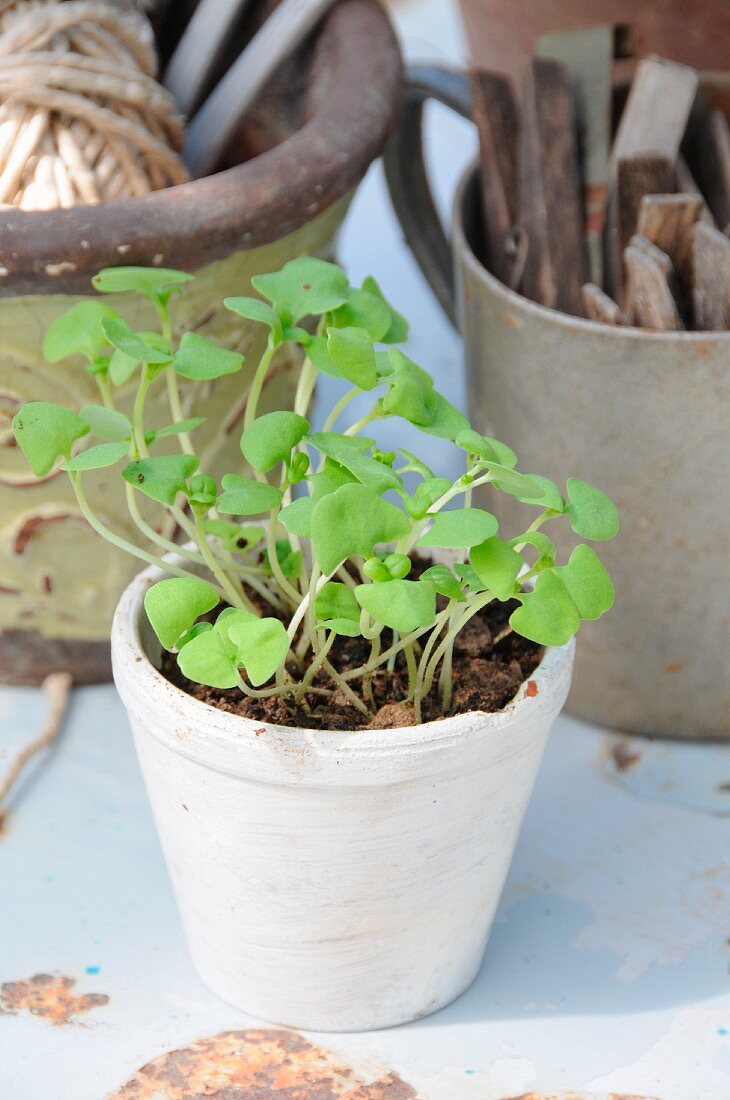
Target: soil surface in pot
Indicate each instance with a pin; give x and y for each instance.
(488, 668)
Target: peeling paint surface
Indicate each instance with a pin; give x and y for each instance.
(671, 773)
(260, 1065)
(704, 1032)
(652, 877)
(49, 996)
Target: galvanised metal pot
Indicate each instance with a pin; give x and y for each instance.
(327, 880)
(323, 121)
(643, 415)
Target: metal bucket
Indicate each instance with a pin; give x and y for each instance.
(646, 416)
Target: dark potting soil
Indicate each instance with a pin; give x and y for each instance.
(486, 677)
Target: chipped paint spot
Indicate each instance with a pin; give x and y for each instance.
(260, 1065)
(688, 1051)
(532, 689)
(49, 996)
(624, 756)
(64, 268)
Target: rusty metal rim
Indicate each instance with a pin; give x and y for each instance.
(357, 94)
(463, 250)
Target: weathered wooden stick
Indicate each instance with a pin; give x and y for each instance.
(711, 259)
(711, 142)
(634, 177)
(551, 208)
(666, 221)
(588, 56)
(650, 302)
(599, 306)
(657, 254)
(497, 120)
(656, 113)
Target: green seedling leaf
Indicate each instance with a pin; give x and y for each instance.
(304, 287)
(163, 477)
(548, 615)
(468, 575)
(427, 493)
(550, 497)
(444, 581)
(107, 423)
(253, 309)
(97, 458)
(156, 283)
(202, 492)
(121, 336)
(122, 367)
(351, 521)
(174, 605)
(297, 516)
(332, 476)
(78, 332)
(289, 559)
(351, 350)
(242, 496)
(593, 515)
(206, 660)
(545, 547)
(587, 582)
(272, 438)
(194, 632)
(410, 390)
(202, 360)
(397, 332)
(460, 529)
(337, 609)
(183, 427)
(522, 486)
(318, 353)
(401, 605)
(262, 646)
(393, 567)
(233, 535)
(46, 432)
(347, 451)
(231, 615)
(415, 463)
(486, 447)
(363, 310)
(447, 421)
(498, 566)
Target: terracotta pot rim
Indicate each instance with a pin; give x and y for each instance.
(462, 248)
(252, 204)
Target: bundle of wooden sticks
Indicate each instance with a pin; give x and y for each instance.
(625, 223)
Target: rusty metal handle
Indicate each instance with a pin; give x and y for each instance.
(407, 177)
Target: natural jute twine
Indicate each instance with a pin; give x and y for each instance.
(82, 118)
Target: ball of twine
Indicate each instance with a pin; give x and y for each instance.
(82, 117)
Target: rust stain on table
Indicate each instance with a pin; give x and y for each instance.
(50, 996)
(260, 1065)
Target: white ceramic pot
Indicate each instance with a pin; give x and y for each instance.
(333, 881)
